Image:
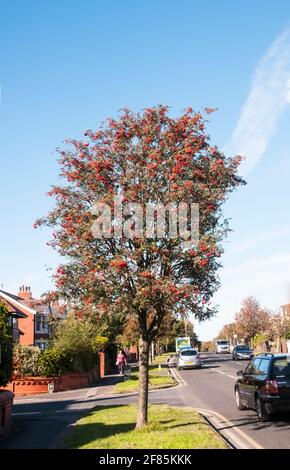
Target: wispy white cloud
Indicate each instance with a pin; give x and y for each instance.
(258, 266)
(268, 97)
(250, 243)
(267, 279)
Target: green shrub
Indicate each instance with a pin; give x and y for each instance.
(77, 339)
(25, 360)
(6, 343)
(259, 339)
(52, 362)
(287, 335)
(74, 347)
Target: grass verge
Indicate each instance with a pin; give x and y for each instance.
(112, 427)
(161, 358)
(157, 379)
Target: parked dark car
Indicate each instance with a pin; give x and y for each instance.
(265, 385)
(242, 351)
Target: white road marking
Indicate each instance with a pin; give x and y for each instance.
(178, 377)
(28, 413)
(224, 373)
(220, 372)
(226, 421)
(232, 425)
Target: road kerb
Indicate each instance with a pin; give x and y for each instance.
(177, 376)
(218, 421)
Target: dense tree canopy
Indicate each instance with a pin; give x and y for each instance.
(228, 331)
(252, 319)
(143, 158)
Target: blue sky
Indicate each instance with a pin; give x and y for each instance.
(67, 65)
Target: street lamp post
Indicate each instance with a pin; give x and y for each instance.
(235, 339)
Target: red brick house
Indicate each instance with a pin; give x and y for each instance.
(19, 315)
(29, 317)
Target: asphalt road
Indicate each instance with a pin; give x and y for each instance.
(212, 388)
(41, 422)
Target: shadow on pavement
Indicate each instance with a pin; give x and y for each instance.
(278, 421)
(211, 366)
(59, 405)
(217, 359)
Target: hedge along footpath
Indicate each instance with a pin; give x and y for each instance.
(74, 347)
(6, 344)
(71, 361)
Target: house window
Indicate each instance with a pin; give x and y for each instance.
(41, 344)
(40, 324)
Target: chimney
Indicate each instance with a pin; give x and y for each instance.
(25, 293)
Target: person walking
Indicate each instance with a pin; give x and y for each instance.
(169, 360)
(121, 361)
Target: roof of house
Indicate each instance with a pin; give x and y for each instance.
(15, 297)
(19, 308)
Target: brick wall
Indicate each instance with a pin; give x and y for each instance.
(6, 402)
(26, 326)
(30, 385)
(35, 385)
(72, 381)
(102, 357)
(133, 354)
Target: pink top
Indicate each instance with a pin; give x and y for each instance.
(121, 358)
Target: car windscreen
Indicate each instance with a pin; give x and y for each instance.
(188, 352)
(281, 367)
(222, 343)
(242, 348)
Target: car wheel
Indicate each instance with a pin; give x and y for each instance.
(234, 358)
(262, 413)
(239, 403)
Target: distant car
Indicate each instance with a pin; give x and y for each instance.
(188, 359)
(242, 352)
(222, 346)
(265, 385)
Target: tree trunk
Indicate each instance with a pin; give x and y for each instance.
(143, 382)
(152, 353)
(185, 327)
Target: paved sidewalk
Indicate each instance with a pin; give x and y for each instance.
(41, 421)
(103, 388)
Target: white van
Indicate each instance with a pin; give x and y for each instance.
(222, 346)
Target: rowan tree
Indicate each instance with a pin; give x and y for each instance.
(144, 158)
